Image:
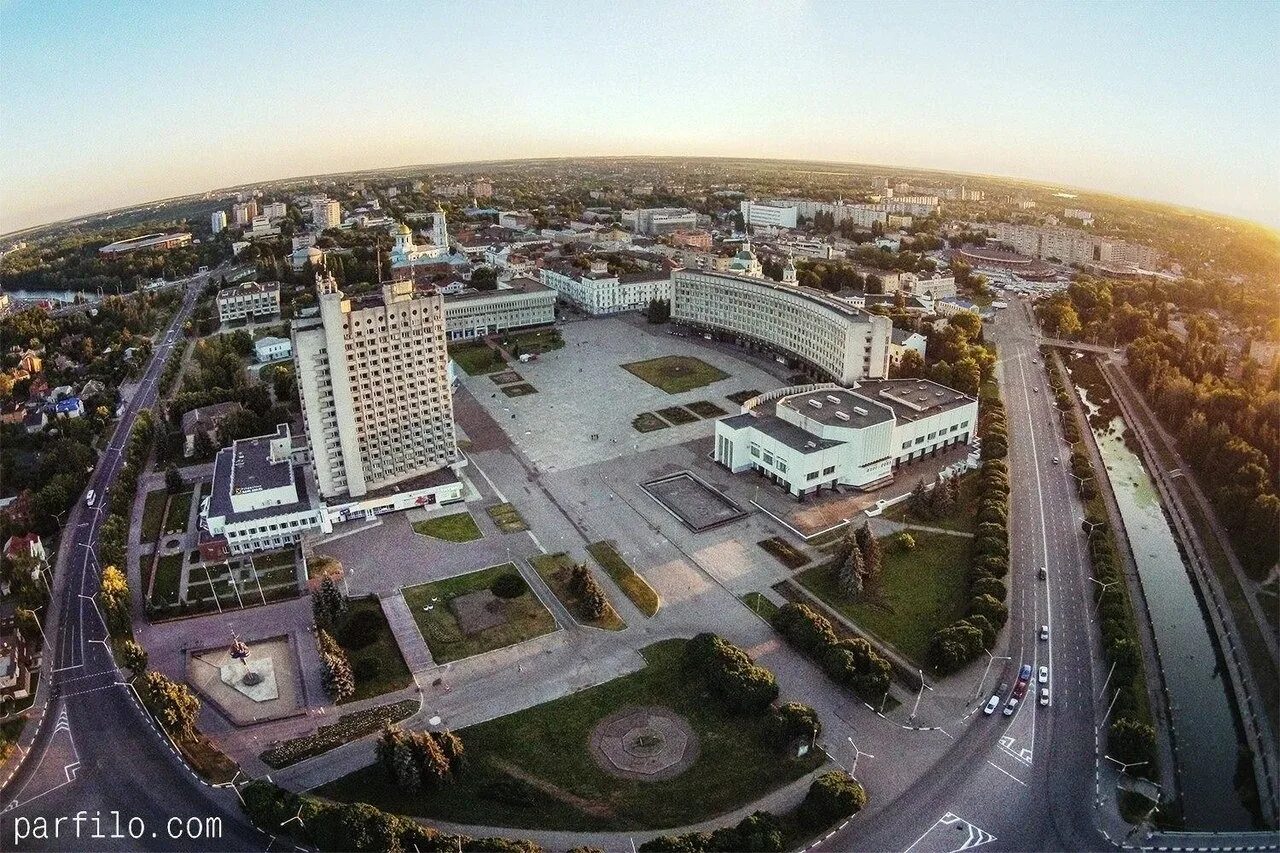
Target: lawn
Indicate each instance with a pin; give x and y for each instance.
(555, 569)
(168, 577)
(535, 342)
(705, 409)
(532, 769)
(152, 516)
(523, 389)
(459, 527)
(507, 517)
(375, 656)
(648, 422)
(675, 373)
(175, 520)
(761, 606)
(628, 580)
(741, 397)
(476, 358)
(784, 552)
(526, 617)
(677, 415)
(919, 592)
(961, 518)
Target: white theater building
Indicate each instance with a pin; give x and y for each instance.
(811, 437)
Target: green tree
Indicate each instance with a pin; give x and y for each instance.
(173, 482)
(832, 796)
(173, 703)
(134, 657)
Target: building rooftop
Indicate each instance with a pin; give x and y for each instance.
(206, 416)
(838, 407)
(784, 431)
(245, 467)
(253, 467)
(820, 297)
(249, 287)
(912, 399)
(519, 285)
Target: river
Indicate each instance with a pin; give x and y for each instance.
(1208, 738)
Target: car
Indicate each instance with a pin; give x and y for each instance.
(1044, 695)
(1035, 390)
(1011, 706)
(1044, 675)
(1044, 632)
(90, 498)
(992, 704)
(1024, 674)
(1044, 572)
(1004, 688)
(1056, 460)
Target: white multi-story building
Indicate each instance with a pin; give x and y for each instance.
(516, 220)
(768, 214)
(602, 292)
(326, 213)
(1085, 216)
(1070, 245)
(811, 437)
(659, 220)
(259, 499)
(835, 339)
(935, 286)
(373, 379)
(270, 348)
(520, 303)
(248, 300)
(218, 221)
(275, 210)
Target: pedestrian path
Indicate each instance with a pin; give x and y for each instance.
(414, 648)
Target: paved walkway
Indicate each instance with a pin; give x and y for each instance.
(409, 638)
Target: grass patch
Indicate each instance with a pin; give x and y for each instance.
(628, 580)
(535, 342)
(349, 727)
(677, 415)
(784, 552)
(175, 519)
(918, 592)
(761, 606)
(705, 409)
(459, 527)
(961, 518)
(648, 422)
(524, 389)
(476, 358)
(526, 617)
(375, 656)
(533, 768)
(675, 373)
(555, 569)
(153, 516)
(168, 578)
(507, 517)
(741, 397)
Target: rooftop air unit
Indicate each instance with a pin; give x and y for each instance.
(844, 416)
(817, 404)
(833, 398)
(860, 411)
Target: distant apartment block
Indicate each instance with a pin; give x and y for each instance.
(768, 214)
(275, 210)
(149, 242)
(599, 291)
(476, 313)
(326, 213)
(242, 213)
(1070, 245)
(218, 221)
(659, 220)
(482, 189)
(516, 220)
(373, 380)
(248, 300)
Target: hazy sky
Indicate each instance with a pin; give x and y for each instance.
(105, 104)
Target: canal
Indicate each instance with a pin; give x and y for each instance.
(1209, 745)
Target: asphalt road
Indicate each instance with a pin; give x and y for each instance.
(98, 754)
(1026, 782)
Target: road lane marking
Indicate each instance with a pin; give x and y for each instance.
(1007, 773)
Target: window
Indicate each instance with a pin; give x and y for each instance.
(920, 440)
(830, 469)
(812, 475)
(782, 466)
(906, 444)
(768, 458)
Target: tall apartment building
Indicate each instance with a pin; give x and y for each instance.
(373, 378)
(242, 213)
(839, 341)
(326, 213)
(275, 210)
(218, 221)
(769, 214)
(248, 300)
(1070, 245)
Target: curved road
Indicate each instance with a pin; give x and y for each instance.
(97, 753)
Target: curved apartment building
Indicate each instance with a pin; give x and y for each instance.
(841, 342)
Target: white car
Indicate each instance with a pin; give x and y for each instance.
(1044, 695)
(992, 704)
(1044, 675)
(1035, 390)
(90, 498)
(1044, 632)
(1056, 460)
(1010, 706)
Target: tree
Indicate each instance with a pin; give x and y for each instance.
(905, 542)
(869, 547)
(328, 604)
(1131, 741)
(918, 503)
(850, 574)
(173, 482)
(339, 680)
(174, 704)
(796, 720)
(659, 311)
(134, 657)
(113, 591)
(832, 796)
(509, 585)
(484, 278)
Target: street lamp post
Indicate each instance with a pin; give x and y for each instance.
(919, 695)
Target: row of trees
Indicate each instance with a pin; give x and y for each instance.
(113, 536)
(955, 356)
(938, 502)
(852, 663)
(417, 761)
(965, 639)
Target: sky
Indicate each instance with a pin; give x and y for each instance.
(107, 104)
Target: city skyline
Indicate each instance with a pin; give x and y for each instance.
(925, 88)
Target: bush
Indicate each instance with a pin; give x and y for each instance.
(905, 542)
(739, 682)
(852, 663)
(832, 797)
(796, 720)
(510, 585)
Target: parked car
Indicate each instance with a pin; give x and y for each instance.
(90, 498)
(1056, 460)
(1011, 706)
(1044, 632)
(1044, 695)
(1044, 675)
(1044, 572)
(992, 704)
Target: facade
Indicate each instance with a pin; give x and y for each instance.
(242, 213)
(836, 339)
(1072, 246)
(476, 313)
(150, 242)
(516, 220)
(248, 300)
(259, 499)
(326, 213)
(812, 437)
(903, 340)
(935, 286)
(602, 292)
(218, 221)
(373, 380)
(271, 349)
(699, 240)
(659, 220)
(275, 210)
(768, 214)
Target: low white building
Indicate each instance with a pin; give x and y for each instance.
(521, 303)
(935, 286)
(601, 292)
(811, 437)
(259, 499)
(271, 349)
(903, 340)
(248, 300)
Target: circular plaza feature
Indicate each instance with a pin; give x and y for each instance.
(650, 743)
